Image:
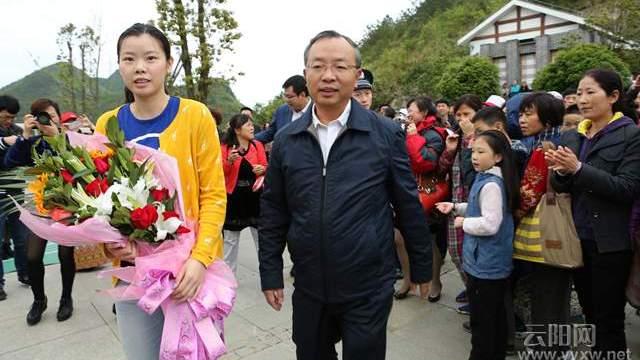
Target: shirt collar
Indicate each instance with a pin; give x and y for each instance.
(495, 170)
(342, 119)
(304, 109)
(585, 124)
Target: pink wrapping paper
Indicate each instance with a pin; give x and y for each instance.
(193, 329)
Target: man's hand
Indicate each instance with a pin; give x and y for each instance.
(275, 298)
(126, 251)
(457, 222)
(189, 280)
(30, 123)
(10, 140)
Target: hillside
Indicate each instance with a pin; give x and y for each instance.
(407, 55)
(46, 82)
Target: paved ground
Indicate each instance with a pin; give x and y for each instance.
(417, 329)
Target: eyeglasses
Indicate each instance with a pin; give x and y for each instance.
(338, 69)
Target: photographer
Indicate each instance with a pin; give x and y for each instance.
(43, 120)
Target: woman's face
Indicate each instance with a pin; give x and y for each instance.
(530, 123)
(637, 102)
(464, 113)
(593, 101)
(245, 131)
(415, 115)
(143, 65)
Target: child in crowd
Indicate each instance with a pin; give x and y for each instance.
(487, 222)
(572, 117)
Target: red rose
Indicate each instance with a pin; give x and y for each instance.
(170, 214)
(97, 187)
(160, 194)
(182, 230)
(144, 217)
(66, 176)
(102, 165)
(58, 214)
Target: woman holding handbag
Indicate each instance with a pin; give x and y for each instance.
(599, 165)
(425, 144)
(541, 116)
(244, 162)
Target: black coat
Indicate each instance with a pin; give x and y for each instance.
(608, 183)
(337, 221)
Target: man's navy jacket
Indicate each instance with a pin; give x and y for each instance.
(281, 118)
(337, 220)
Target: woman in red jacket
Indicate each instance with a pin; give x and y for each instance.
(425, 144)
(244, 163)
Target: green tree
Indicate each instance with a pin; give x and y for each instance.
(264, 113)
(469, 75)
(204, 23)
(66, 40)
(571, 64)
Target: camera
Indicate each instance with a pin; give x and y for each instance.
(43, 118)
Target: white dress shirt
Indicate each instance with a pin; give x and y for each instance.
(327, 134)
(298, 114)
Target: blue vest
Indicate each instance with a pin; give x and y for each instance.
(488, 257)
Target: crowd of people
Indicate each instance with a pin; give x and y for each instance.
(363, 198)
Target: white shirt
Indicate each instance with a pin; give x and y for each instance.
(298, 114)
(488, 223)
(327, 134)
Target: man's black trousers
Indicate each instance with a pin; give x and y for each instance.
(360, 324)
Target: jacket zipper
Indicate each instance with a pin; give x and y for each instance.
(323, 197)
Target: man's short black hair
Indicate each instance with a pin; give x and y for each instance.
(10, 104)
(246, 108)
(299, 84)
(491, 115)
(331, 34)
(569, 91)
(443, 101)
(573, 109)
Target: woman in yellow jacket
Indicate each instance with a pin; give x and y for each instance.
(184, 129)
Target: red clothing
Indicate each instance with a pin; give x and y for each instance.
(255, 156)
(422, 154)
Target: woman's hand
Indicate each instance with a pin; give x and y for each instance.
(48, 130)
(189, 280)
(457, 223)
(411, 129)
(126, 252)
(452, 142)
(564, 160)
(467, 127)
(258, 169)
(444, 207)
(233, 155)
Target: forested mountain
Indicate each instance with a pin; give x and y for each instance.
(47, 82)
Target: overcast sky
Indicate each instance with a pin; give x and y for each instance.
(274, 33)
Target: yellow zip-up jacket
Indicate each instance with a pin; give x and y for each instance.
(192, 139)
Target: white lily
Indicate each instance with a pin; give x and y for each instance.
(165, 227)
(131, 198)
(103, 203)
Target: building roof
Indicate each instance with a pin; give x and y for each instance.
(530, 5)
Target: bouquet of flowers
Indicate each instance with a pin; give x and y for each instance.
(92, 189)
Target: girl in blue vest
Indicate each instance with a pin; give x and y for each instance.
(487, 222)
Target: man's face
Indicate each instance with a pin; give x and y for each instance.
(296, 102)
(443, 110)
(570, 99)
(6, 119)
(364, 97)
(247, 112)
(331, 72)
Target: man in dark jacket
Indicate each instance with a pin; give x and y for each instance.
(296, 96)
(333, 178)
(9, 132)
